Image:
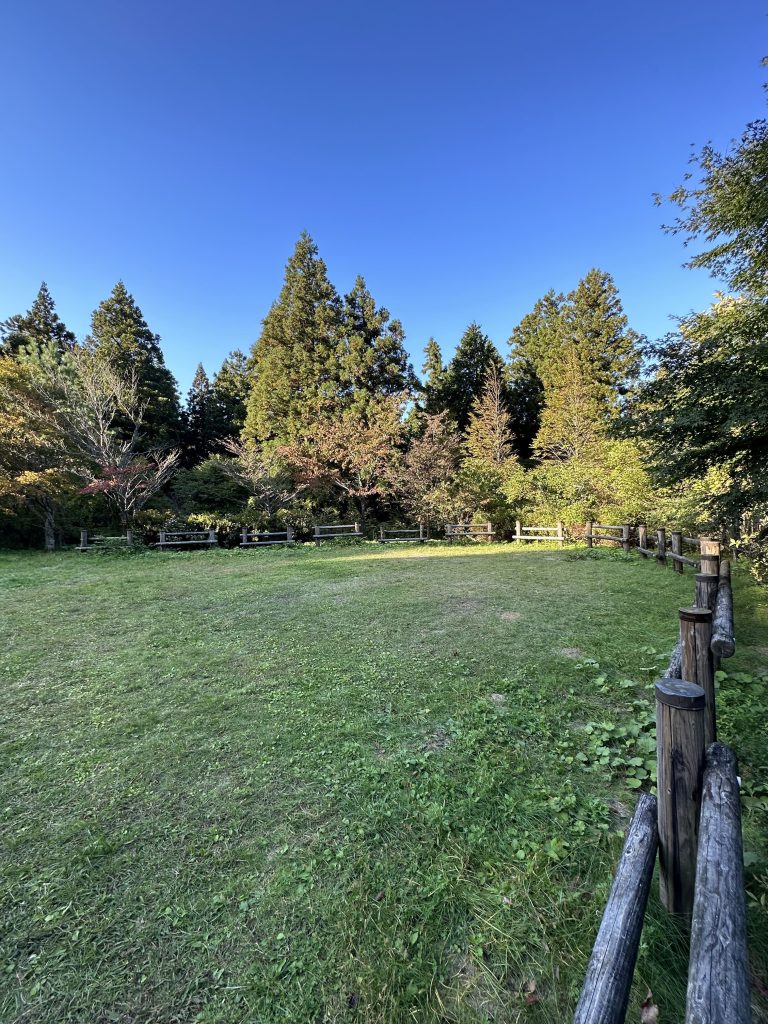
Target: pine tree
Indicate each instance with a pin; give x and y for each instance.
(120, 335)
(229, 397)
(466, 374)
(375, 361)
(297, 362)
(197, 417)
(433, 400)
(39, 326)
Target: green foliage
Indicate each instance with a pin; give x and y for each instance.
(296, 365)
(121, 338)
(433, 400)
(208, 486)
(466, 374)
(39, 326)
(229, 397)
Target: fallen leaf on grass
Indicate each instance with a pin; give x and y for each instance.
(530, 993)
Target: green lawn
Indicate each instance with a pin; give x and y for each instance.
(351, 784)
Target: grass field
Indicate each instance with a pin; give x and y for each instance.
(341, 785)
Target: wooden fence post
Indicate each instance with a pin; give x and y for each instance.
(723, 642)
(677, 549)
(518, 531)
(129, 536)
(697, 664)
(718, 971)
(357, 527)
(290, 533)
(317, 535)
(83, 539)
(605, 994)
(625, 535)
(642, 539)
(706, 590)
(422, 538)
(661, 547)
(212, 536)
(162, 537)
(560, 533)
(710, 555)
(244, 535)
(680, 760)
(588, 533)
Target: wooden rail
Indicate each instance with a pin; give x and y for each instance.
(483, 531)
(718, 973)
(605, 994)
(334, 531)
(699, 832)
(618, 535)
(550, 533)
(412, 535)
(253, 538)
(186, 538)
(99, 542)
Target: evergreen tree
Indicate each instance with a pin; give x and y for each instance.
(535, 340)
(39, 326)
(121, 337)
(229, 397)
(375, 361)
(297, 362)
(198, 418)
(489, 432)
(433, 388)
(466, 374)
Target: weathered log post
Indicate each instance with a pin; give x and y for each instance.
(680, 709)
(317, 536)
(162, 538)
(677, 549)
(422, 537)
(211, 536)
(642, 540)
(290, 534)
(706, 590)
(588, 534)
(718, 970)
(357, 527)
(83, 540)
(697, 664)
(625, 538)
(605, 994)
(723, 642)
(661, 547)
(710, 555)
(244, 535)
(129, 536)
(560, 533)
(518, 531)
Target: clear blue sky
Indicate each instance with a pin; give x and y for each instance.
(463, 156)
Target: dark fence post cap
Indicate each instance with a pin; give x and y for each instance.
(704, 576)
(695, 614)
(679, 693)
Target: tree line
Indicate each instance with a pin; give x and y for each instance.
(580, 417)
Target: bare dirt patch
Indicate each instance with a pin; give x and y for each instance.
(470, 986)
(571, 652)
(499, 700)
(439, 740)
(511, 616)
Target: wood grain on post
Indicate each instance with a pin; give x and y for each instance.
(677, 549)
(697, 664)
(718, 971)
(680, 707)
(710, 555)
(588, 534)
(675, 667)
(706, 590)
(642, 540)
(560, 533)
(661, 547)
(605, 994)
(625, 535)
(723, 641)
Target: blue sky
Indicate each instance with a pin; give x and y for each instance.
(463, 156)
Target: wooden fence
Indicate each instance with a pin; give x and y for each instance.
(550, 533)
(694, 825)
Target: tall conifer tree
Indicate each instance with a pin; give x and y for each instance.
(38, 327)
(433, 400)
(467, 372)
(198, 418)
(229, 393)
(120, 335)
(297, 362)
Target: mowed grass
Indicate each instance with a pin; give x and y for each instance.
(311, 786)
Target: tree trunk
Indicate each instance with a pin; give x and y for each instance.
(49, 528)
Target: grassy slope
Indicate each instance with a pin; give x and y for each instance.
(274, 786)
